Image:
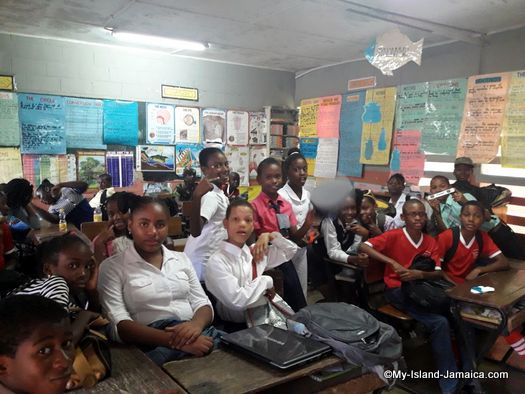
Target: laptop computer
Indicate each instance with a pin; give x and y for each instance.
(280, 348)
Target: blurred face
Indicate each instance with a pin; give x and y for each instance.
(149, 228)
(463, 172)
(471, 218)
(239, 225)
(104, 183)
(348, 212)
(75, 264)
(42, 363)
(234, 180)
(189, 178)
(217, 168)
(117, 218)
(368, 208)
(438, 185)
(298, 172)
(46, 197)
(271, 179)
(414, 216)
(395, 186)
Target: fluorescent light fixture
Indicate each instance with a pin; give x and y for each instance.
(155, 41)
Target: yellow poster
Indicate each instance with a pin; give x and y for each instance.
(308, 118)
(378, 119)
(10, 163)
(513, 131)
(479, 136)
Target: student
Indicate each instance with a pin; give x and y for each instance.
(152, 295)
(232, 189)
(7, 246)
(229, 272)
(396, 249)
(272, 213)
(67, 196)
(19, 229)
(375, 222)
(184, 191)
(396, 185)
(106, 190)
(209, 205)
(36, 346)
(293, 191)
(19, 193)
(115, 239)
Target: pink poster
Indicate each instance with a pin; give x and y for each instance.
(407, 158)
(328, 117)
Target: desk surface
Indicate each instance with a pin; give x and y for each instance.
(50, 231)
(225, 371)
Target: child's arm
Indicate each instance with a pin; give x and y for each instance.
(196, 220)
(44, 214)
(436, 215)
(281, 250)
(79, 186)
(99, 244)
(500, 263)
(378, 256)
(297, 234)
(333, 246)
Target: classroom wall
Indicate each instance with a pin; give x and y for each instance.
(75, 69)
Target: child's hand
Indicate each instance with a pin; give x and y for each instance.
(200, 347)
(270, 293)
(362, 260)
(183, 334)
(434, 204)
(91, 284)
(203, 187)
(108, 234)
(459, 197)
(366, 219)
(473, 274)
(356, 228)
(409, 275)
(261, 247)
(398, 268)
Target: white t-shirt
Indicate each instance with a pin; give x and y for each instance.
(300, 206)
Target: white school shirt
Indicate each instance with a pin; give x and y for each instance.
(398, 222)
(333, 246)
(199, 249)
(300, 206)
(229, 276)
(130, 288)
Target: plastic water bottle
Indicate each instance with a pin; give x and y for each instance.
(97, 215)
(62, 224)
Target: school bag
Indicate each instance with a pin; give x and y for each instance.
(354, 334)
(455, 242)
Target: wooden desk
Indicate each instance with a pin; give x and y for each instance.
(51, 231)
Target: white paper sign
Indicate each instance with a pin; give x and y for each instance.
(326, 159)
(187, 125)
(237, 127)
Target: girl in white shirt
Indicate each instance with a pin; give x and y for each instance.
(152, 295)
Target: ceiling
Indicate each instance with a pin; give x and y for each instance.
(292, 35)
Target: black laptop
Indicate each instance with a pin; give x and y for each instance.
(279, 348)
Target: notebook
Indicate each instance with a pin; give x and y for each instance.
(277, 347)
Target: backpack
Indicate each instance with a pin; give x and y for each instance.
(354, 334)
(455, 242)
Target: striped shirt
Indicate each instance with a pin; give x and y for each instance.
(52, 287)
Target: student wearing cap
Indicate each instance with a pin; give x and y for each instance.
(463, 171)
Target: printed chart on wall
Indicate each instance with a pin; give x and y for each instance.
(42, 121)
(308, 148)
(120, 167)
(160, 124)
(237, 127)
(155, 158)
(239, 158)
(91, 164)
(407, 157)
(9, 125)
(187, 125)
(11, 164)
(513, 133)
(121, 122)
(378, 119)
(258, 128)
(187, 155)
(56, 169)
(326, 159)
(308, 113)
(84, 123)
(484, 109)
(214, 125)
(257, 154)
(350, 127)
(328, 117)
(434, 108)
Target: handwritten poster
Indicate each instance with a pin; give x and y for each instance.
(378, 119)
(326, 159)
(435, 108)
(237, 123)
(42, 121)
(328, 117)
(513, 132)
(239, 158)
(11, 164)
(84, 123)
(120, 166)
(258, 128)
(121, 122)
(483, 116)
(9, 125)
(187, 125)
(187, 155)
(257, 154)
(350, 127)
(91, 164)
(155, 158)
(160, 124)
(68, 167)
(214, 125)
(308, 147)
(407, 157)
(308, 118)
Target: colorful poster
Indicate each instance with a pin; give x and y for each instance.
(120, 166)
(55, 168)
(378, 119)
(308, 118)
(350, 127)
(71, 172)
(42, 121)
(239, 158)
(155, 158)
(328, 117)
(308, 148)
(160, 124)
(237, 127)
(187, 125)
(91, 165)
(31, 169)
(121, 122)
(257, 154)
(407, 157)
(258, 128)
(326, 159)
(187, 155)
(214, 125)
(9, 125)
(11, 164)
(485, 103)
(513, 132)
(50, 168)
(435, 108)
(84, 123)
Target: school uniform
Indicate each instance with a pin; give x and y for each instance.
(53, 287)
(116, 245)
(199, 249)
(101, 197)
(229, 276)
(75, 207)
(7, 244)
(398, 222)
(300, 207)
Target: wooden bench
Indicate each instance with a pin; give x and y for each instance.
(92, 229)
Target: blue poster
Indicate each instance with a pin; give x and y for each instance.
(84, 123)
(350, 126)
(42, 121)
(308, 147)
(187, 155)
(121, 122)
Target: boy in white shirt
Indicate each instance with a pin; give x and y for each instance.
(230, 275)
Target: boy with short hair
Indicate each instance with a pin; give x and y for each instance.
(36, 346)
(396, 185)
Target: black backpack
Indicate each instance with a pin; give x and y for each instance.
(455, 242)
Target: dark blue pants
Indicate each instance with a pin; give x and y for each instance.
(292, 290)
